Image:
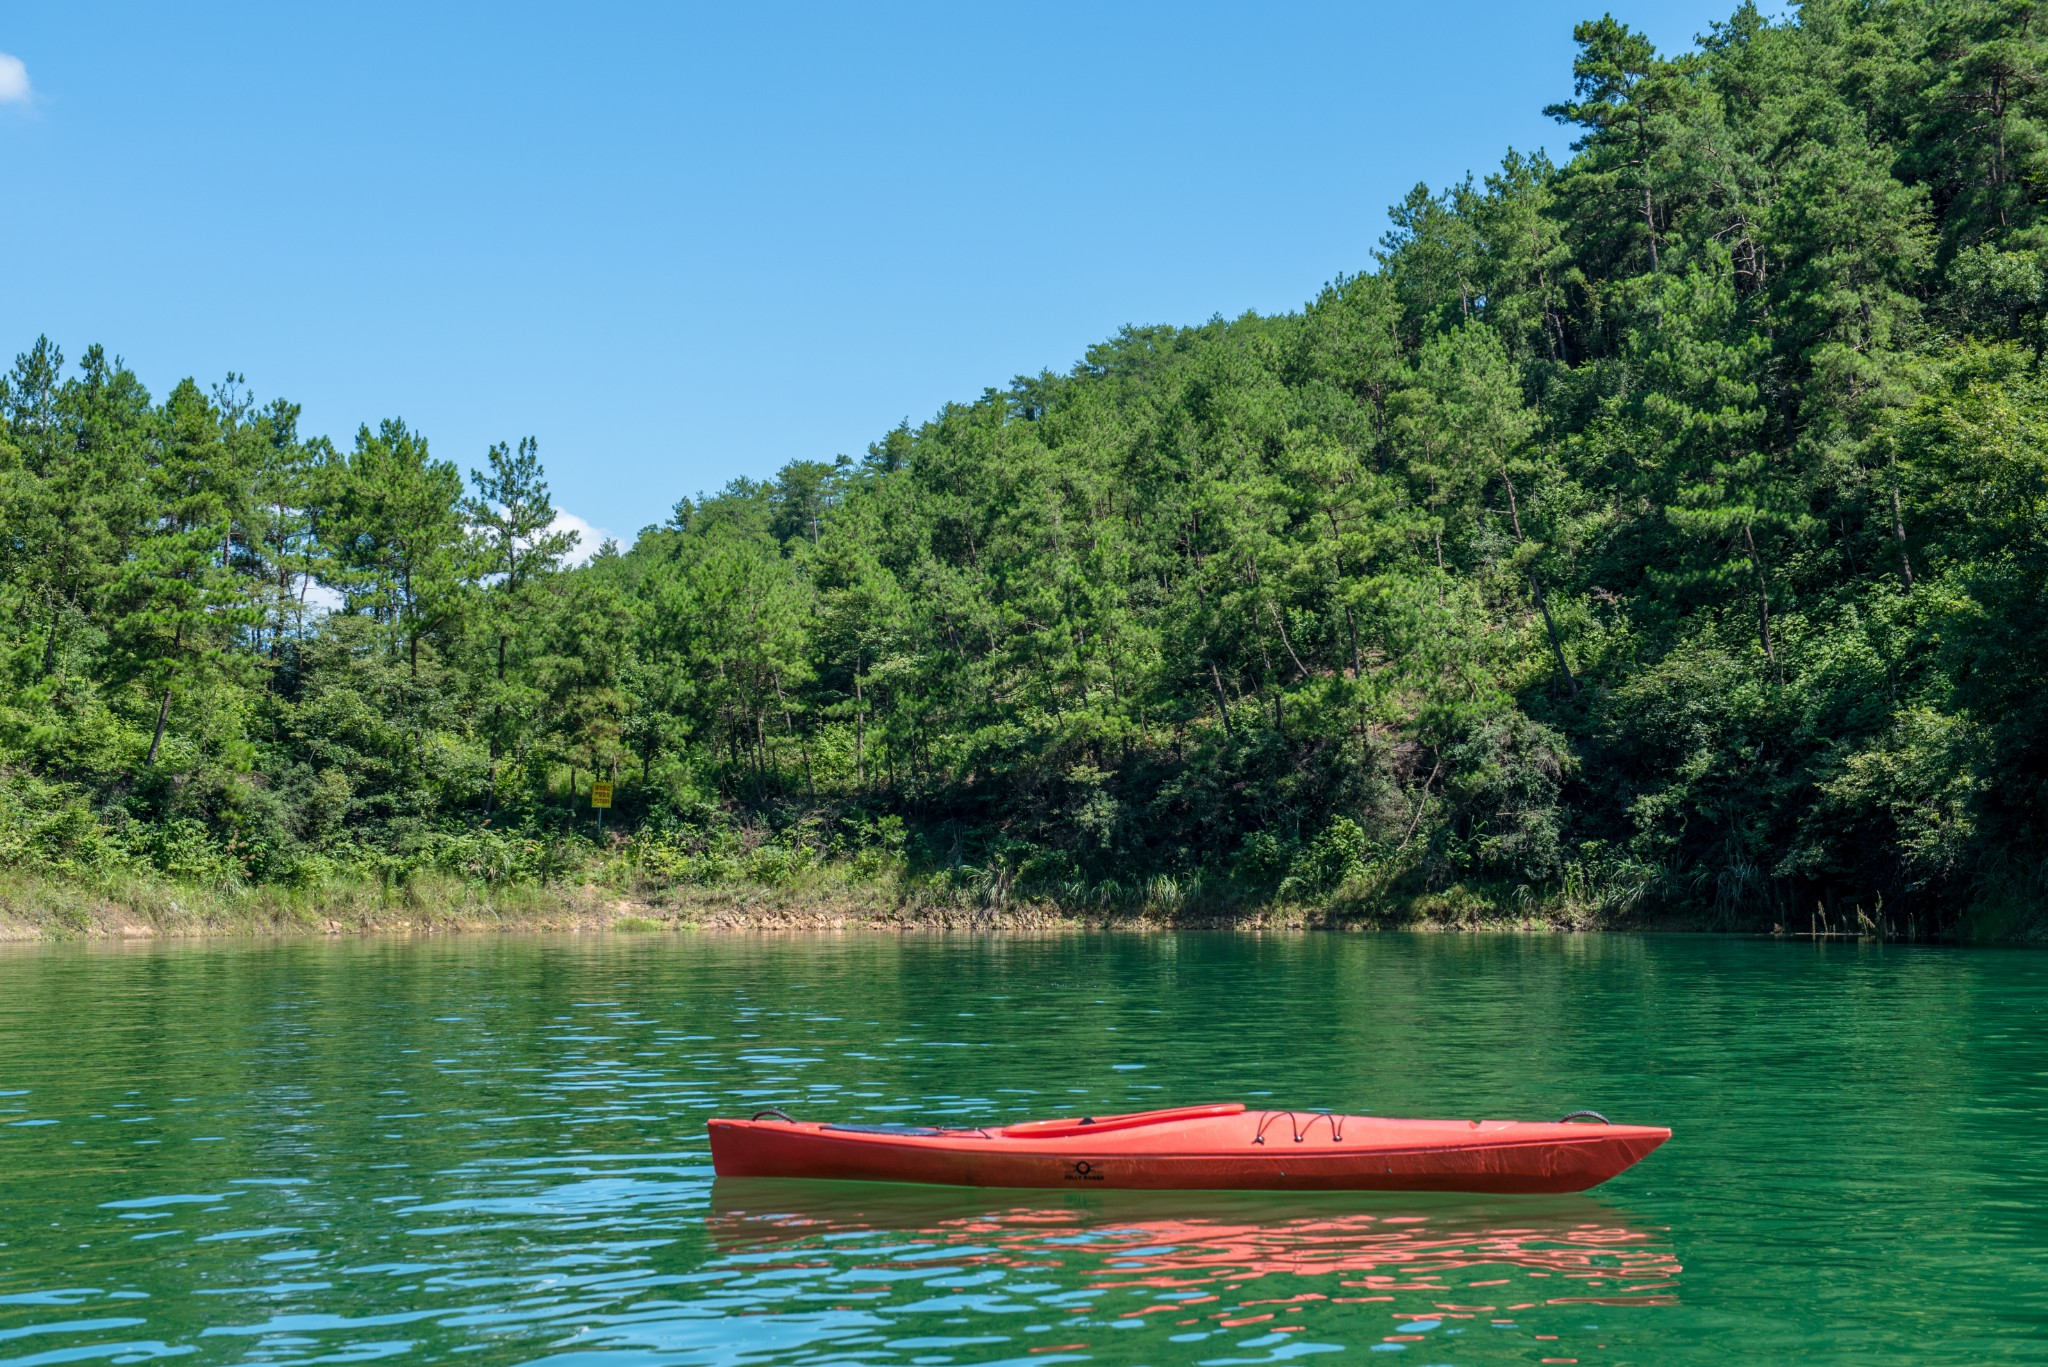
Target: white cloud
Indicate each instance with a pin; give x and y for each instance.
(14, 86)
(321, 598)
(588, 538)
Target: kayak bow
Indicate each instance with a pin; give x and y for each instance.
(1214, 1147)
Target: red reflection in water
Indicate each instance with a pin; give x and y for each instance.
(1460, 1260)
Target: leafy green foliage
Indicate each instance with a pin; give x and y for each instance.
(1661, 529)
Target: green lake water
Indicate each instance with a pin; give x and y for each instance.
(492, 1150)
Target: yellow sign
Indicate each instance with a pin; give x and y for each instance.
(600, 794)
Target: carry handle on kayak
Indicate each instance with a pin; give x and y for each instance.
(779, 1115)
(1584, 1115)
(1067, 1129)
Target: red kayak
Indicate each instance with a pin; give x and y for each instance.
(1198, 1148)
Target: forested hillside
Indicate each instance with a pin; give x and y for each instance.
(1661, 531)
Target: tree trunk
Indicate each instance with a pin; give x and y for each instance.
(860, 773)
(284, 595)
(50, 644)
(1301, 670)
(1763, 602)
(1421, 802)
(1550, 626)
(163, 711)
(1899, 530)
(803, 748)
(1222, 703)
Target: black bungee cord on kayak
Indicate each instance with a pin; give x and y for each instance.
(1300, 1130)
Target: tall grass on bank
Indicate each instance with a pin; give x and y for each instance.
(770, 886)
(62, 877)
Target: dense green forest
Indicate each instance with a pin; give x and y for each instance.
(1656, 532)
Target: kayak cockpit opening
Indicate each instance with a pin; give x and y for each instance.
(1092, 1124)
(900, 1130)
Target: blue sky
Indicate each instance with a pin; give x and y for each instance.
(681, 244)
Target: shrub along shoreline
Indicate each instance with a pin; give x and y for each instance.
(826, 899)
(823, 870)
